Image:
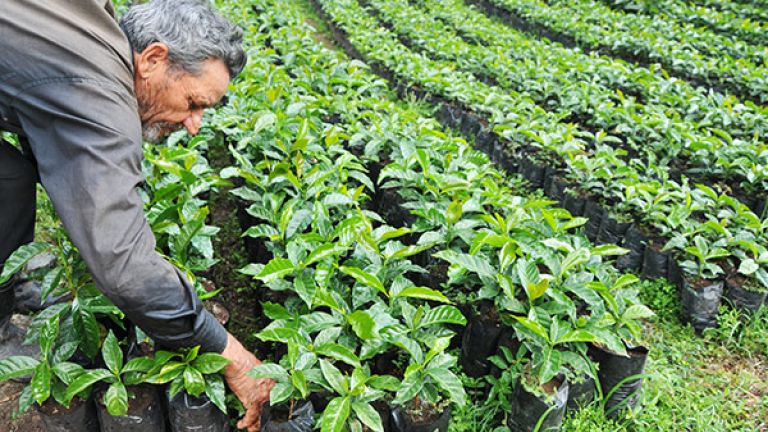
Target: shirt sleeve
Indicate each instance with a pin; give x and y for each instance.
(86, 137)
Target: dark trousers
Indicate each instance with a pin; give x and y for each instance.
(18, 177)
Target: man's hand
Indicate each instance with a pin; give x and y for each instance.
(252, 392)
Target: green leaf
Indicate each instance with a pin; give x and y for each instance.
(216, 392)
(261, 230)
(194, 383)
(409, 388)
(333, 376)
(449, 382)
(48, 335)
(423, 293)
(637, 311)
(20, 257)
(550, 365)
(138, 364)
(41, 383)
(469, 262)
(368, 416)
(275, 269)
(324, 251)
(280, 392)
(573, 260)
(167, 373)
(269, 370)
(442, 315)
(533, 326)
(609, 249)
(304, 285)
(86, 380)
(50, 282)
(299, 382)
(113, 356)
(748, 266)
(67, 372)
(87, 331)
(335, 415)
(209, 363)
(578, 335)
(338, 352)
(362, 324)
(625, 280)
(364, 278)
(16, 366)
(116, 400)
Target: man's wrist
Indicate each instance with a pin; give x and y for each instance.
(240, 360)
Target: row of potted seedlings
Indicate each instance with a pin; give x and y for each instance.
(704, 58)
(96, 370)
(646, 130)
(348, 277)
(605, 178)
(697, 105)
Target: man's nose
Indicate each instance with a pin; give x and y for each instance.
(193, 122)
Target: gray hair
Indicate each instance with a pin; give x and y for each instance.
(192, 31)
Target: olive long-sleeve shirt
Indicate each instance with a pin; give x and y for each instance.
(66, 83)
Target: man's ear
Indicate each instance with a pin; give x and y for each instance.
(152, 60)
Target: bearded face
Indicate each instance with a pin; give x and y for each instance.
(170, 98)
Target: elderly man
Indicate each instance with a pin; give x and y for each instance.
(81, 90)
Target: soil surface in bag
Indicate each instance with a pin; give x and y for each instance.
(634, 241)
(402, 421)
(528, 408)
(742, 299)
(479, 342)
(700, 300)
(275, 419)
(79, 417)
(145, 413)
(581, 394)
(187, 413)
(613, 370)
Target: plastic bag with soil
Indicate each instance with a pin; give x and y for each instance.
(620, 377)
(275, 419)
(700, 300)
(80, 416)
(145, 412)
(479, 342)
(528, 409)
(595, 213)
(574, 204)
(554, 188)
(745, 300)
(187, 413)
(655, 262)
(634, 240)
(532, 172)
(581, 393)
(401, 421)
(611, 231)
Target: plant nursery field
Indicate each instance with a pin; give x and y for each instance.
(452, 215)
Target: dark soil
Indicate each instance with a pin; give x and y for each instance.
(30, 421)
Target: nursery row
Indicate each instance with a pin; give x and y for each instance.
(726, 23)
(699, 55)
(677, 216)
(755, 11)
(703, 108)
(553, 83)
